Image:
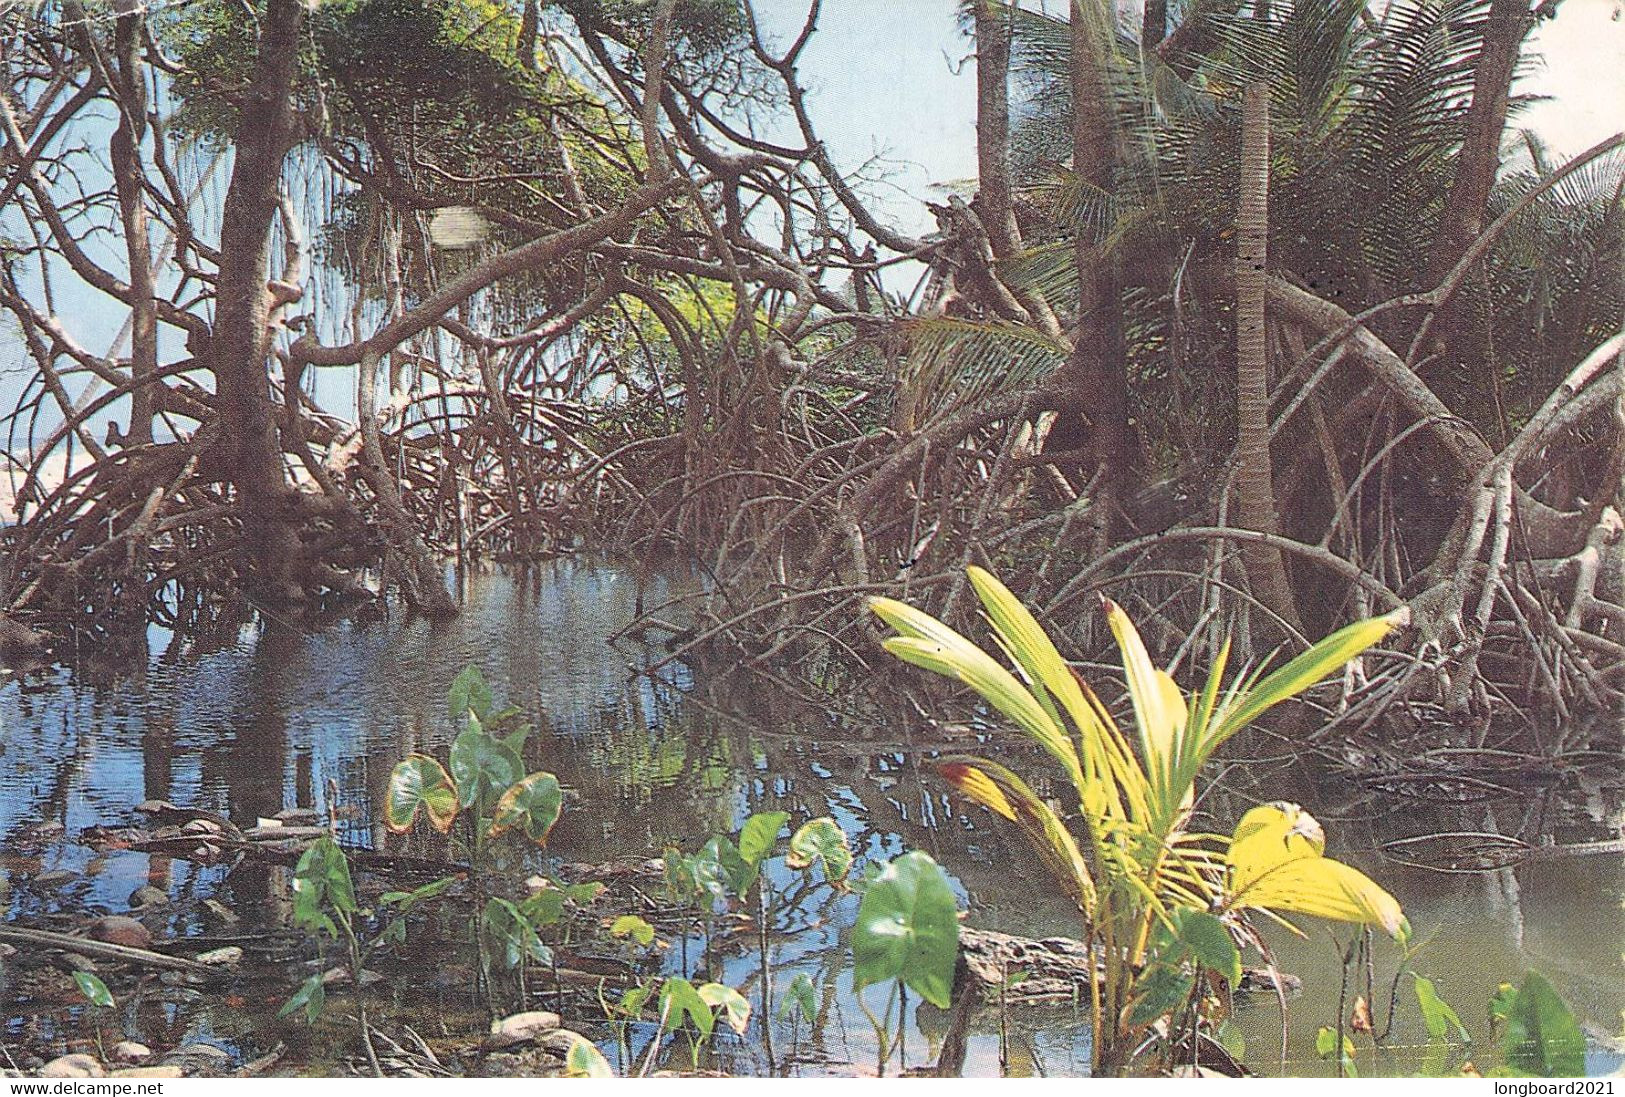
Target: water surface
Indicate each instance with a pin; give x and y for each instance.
(273, 716)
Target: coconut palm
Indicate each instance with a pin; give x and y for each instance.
(1157, 895)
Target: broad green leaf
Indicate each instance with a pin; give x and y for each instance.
(419, 782)
(679, 999)
(721, 870)
(735, 1008)
(1006, 794)
(94, 990)
(409, 899)
(908, 929)
(311, 996)
(801, 997)
(482, 768)
(468, 692)
(1326, 1048)
(321, 880)
(510, 936)
(633, 999)
(823, 841)
(516, 741)
(532, 804)
(1436, 1012)
(759, 834)
(1276, 863)
(584, 1060)
(1207, 940)
(494, 720)
(1160, 989)
(630, 925)
(681, 878)
(585, 892)
(1542, 1039)
(546, 906)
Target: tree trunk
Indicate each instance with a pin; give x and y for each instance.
(1255, 488)
(993, 128)
(1153, 24)
(128, 175)
(1093, 385)
(249, 446)
(1480, 158)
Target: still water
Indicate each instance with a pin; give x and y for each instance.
(273, 717)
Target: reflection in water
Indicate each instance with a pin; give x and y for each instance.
(274, 717)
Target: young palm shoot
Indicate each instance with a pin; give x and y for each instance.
(1143, 881)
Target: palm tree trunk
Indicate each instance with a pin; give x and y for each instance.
(1153, 24)
(1480, 158)
(1255, 488)
(1462, 220)
(1093, 396)
(993, 128)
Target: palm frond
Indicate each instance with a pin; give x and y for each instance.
(953, 362)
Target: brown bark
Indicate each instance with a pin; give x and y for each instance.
(993, 128)
(1255, 485)
(1480, 158)
(129, 75)
(1454, 330)
(1153, 24)
(1095, 414)
(249, 447)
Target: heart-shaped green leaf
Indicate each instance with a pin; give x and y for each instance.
(735, 1008)
(823, 841)
(721, 871)
(759, 834)
(800, 998)
(1542, 1039)
(584, 1060)
(419, 781)
(94, 990)
(510, 936)
(468, 692)
(630, 925)
(532, 804)
(908, 929)
(311, 997)
(679, 999)
(1437, 1014)
(482, 767)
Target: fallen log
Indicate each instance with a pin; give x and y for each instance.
(68, 942)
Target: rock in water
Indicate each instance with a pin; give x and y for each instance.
(128, 1051)
(116, 929)
(166, 1071)
(561, 1040)
(148, 896)
(228, 956)
(73, 1066)
(520, 1028)
(220, 912)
